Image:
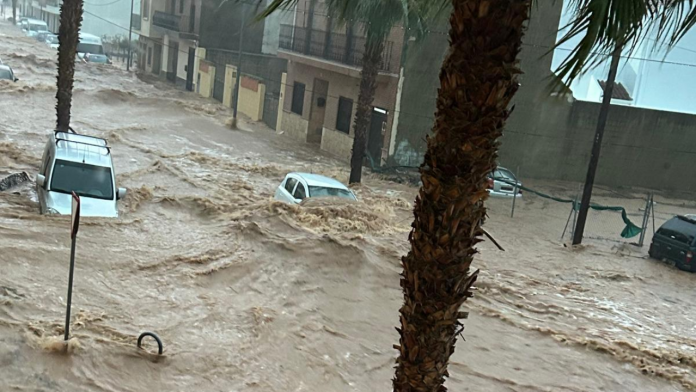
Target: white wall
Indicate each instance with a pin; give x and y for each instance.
(271, 29)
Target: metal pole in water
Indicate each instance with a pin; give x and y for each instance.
(239, 68)
(70, 286)
(130, 32)
(644, 226)
(514, 194)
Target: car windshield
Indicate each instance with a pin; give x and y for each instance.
(85, 180)
(5, 74)
(504, 174)
(319, 191)
(52, 39)
(37, 27)
(83, 47)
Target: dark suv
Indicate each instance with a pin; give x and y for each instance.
(676, 241)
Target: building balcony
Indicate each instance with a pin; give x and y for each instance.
(187, 28)
(338, 48)
(166, 20)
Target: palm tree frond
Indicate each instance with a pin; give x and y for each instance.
(604, 25)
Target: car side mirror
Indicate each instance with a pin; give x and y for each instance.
(16, 79)
(40, 180)
(121, 193)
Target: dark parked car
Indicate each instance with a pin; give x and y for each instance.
(676, 241)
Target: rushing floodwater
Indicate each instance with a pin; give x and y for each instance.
(254, 295)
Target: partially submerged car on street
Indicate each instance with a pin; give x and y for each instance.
(52, 41)
(299, 186)
(81, 164)
(6, 73)
(97, 58)
(676, 241)
(35, 26)
(503, 183)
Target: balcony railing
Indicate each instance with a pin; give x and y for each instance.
(166, 20)
(341, 48)
(137, 22)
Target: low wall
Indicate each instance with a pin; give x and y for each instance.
(337, 143)
(251, 97)
(206, 78)
(295, 126)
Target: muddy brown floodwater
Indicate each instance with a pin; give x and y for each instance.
(253, 295)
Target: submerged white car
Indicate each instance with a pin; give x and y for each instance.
(80, 164)
(299, 186)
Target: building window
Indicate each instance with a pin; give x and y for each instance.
(345, 112)
(149, 56)
(298, 98)
(146, 9)
(181, 6)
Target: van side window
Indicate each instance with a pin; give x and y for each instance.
(290, 185)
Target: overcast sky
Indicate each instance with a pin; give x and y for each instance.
(662, 86)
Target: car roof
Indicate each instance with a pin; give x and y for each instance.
(317, 180)
(87, 149)
(37, 21)
(681, 224)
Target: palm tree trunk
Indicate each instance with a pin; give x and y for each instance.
(477, 80)
(14, 12)
(371, 61)
(68, 36)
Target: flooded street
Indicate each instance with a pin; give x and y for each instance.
(250, 294)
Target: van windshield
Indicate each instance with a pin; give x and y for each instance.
(84, 47)
(85, 180)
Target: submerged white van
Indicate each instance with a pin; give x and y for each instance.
(35, 27)
(81, 164)
(89, 43)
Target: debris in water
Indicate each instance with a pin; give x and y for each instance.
(13, 180)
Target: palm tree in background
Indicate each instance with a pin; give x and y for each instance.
(377, 19)
(14, 12)
(68, 38)
(478, 79)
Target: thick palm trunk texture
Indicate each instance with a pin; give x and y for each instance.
(477, 81)
(68, 36)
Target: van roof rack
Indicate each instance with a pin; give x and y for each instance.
(85, 143)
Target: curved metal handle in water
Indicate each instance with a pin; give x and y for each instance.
(159, 342)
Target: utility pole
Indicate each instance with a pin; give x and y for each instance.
(130, 31)
(235, 104)
(597, 146)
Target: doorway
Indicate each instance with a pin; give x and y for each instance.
(375, 140)
(157, 61)
(172, 63)
(320, 92)
(189, 68)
